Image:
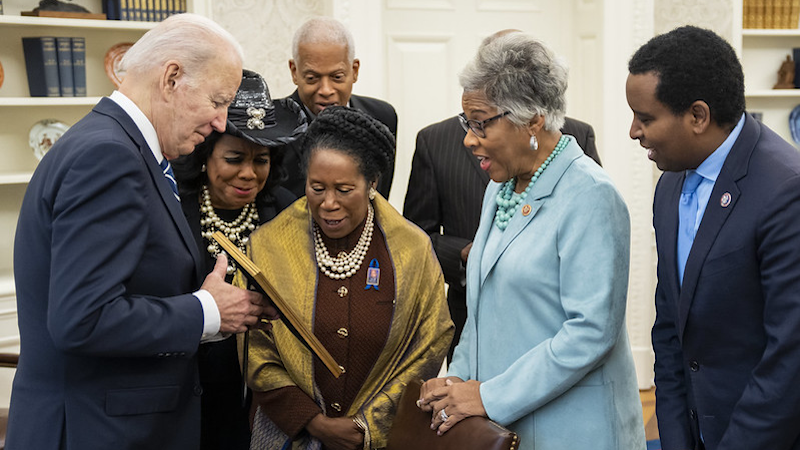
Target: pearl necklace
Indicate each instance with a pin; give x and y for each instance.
(237, 231)
(345, 264)
(508, 201)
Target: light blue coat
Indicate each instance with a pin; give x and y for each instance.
(545, 331)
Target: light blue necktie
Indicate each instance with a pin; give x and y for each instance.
(166, 167)
(687, 213)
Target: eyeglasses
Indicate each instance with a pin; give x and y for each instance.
(478, 126)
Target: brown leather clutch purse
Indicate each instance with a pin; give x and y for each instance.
(411, 429)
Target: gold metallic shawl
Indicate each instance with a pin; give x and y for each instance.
(420, 332)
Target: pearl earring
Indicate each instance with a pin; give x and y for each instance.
(203, 168)
(534, 143)
(372, 193)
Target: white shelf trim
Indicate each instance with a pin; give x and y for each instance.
(24, 21)
(773, 93)
(49, 101)
(15, 178)
(768, 32)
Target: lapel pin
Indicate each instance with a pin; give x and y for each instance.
(373, 275)
(725, 200)
(526, 210)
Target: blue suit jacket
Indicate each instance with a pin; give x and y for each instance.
(545, 330)
(728, 343)
(103, 261)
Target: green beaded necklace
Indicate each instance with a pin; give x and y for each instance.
(508, 201)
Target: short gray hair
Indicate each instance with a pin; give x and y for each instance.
(190, 38)
(327, 30)
(520, 74)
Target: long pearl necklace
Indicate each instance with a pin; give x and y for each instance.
(508, 201)
(345, 264)
(237, 231)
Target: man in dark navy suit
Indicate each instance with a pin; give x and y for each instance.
(324, 68)
(106, 268)
(728, 237)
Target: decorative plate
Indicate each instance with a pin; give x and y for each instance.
(794, 124)
(44, 134)
(112, 62)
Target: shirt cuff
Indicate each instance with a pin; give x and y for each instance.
(211, 318)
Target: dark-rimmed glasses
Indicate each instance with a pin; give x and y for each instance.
(478, 126)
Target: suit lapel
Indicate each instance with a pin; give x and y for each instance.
(110, 108)
(173, 206)
(715, 215)
(668, 234)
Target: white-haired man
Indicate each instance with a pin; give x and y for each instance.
(324, 68)
(106, 267)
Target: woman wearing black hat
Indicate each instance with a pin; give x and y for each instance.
(230, 183)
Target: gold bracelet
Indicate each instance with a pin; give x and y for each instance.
(360, 424)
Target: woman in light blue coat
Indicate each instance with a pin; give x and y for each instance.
(544, 351)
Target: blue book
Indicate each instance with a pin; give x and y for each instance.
(79, 66)
(41, 63)
(796, 58)
(111, 9)
(64, 56)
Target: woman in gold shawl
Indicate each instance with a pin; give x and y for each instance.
(364, 279)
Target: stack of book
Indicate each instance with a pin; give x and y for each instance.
(143, 10)
(56, 66)
(770, 13)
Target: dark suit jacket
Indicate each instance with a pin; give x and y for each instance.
(727, 343)
(293, 159)
(103, 261)
(224, 418)
(445, 189)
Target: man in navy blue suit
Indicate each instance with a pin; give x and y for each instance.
(106, 268)
(726, 210)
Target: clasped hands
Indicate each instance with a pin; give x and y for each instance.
(239, 309)
(450, 400)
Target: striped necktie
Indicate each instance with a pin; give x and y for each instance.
(166, 167)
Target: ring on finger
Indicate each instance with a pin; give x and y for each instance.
(443, 415)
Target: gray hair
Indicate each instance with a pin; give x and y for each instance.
(190, 38)
(520, 74)
(328, 30)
